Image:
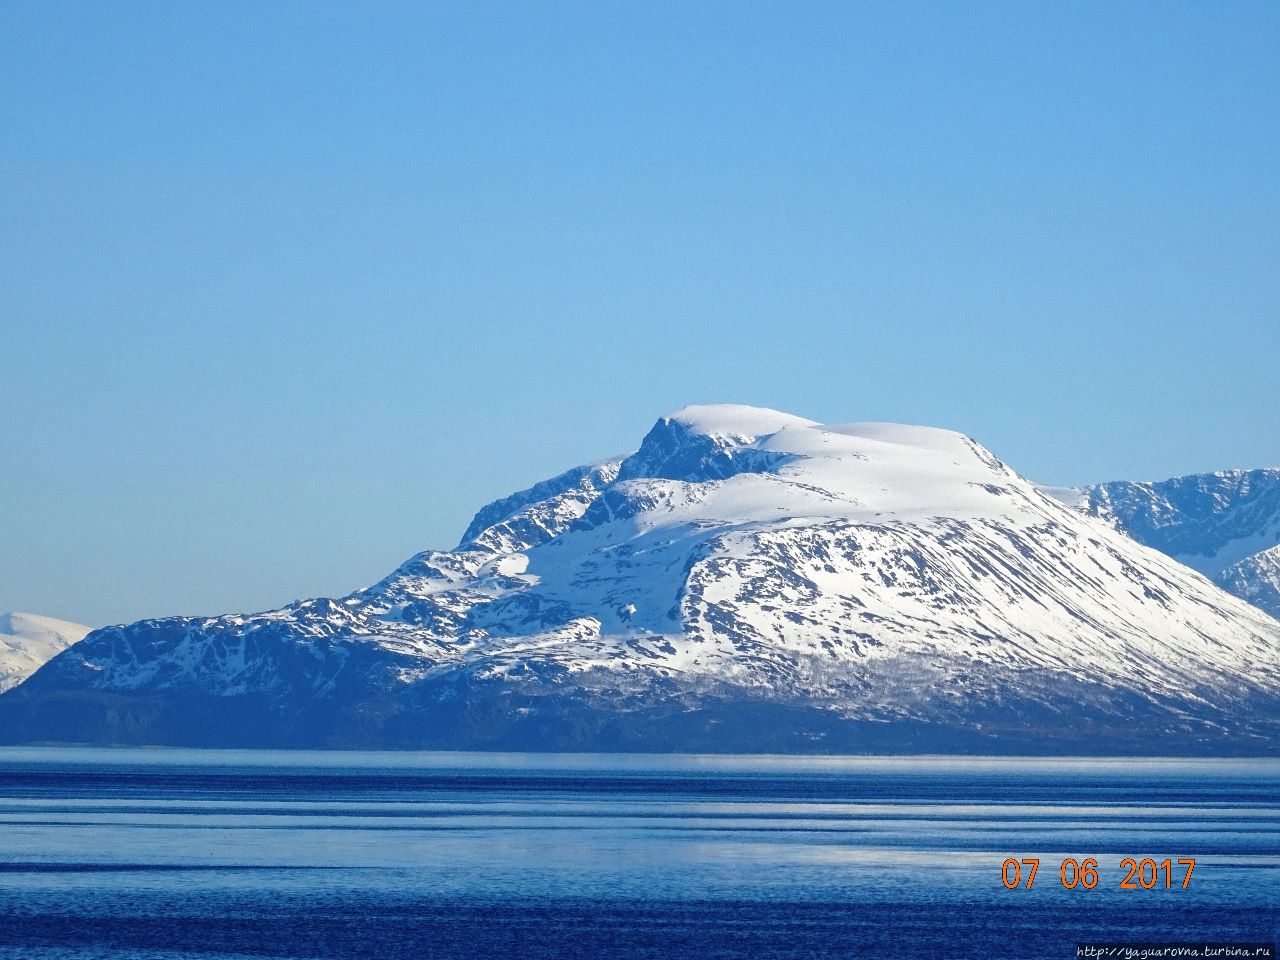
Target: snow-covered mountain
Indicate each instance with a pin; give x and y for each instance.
(28, 641)
(746, 580)
(1256, 579)
(1225, 525)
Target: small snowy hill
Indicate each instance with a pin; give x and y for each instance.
(745, 581)
(27, 641)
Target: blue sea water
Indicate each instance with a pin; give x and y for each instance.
(230, 854)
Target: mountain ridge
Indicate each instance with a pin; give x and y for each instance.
(1224, 524)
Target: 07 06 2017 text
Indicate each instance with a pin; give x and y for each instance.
(1145, 873)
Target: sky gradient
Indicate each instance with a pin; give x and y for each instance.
(288, 291)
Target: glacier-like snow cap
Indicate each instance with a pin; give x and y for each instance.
(28, 640)
(763, 463)
(792, 434)
(735, 420)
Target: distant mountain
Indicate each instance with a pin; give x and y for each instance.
(745, 581)
(1225, 525)
(27, 641)
(1256, 579)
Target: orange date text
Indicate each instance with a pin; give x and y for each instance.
(1134, 873)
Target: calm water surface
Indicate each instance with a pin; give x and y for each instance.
(221, 854)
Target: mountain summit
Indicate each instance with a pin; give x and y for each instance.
(745, 581)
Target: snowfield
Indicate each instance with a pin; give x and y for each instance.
(28, 641)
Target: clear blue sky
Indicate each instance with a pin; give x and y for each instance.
(288, 290)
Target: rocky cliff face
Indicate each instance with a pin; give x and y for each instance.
(1225, 525)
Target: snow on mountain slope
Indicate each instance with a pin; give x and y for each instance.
(745, 580)
(545, 510)
(1222, 524)
(27, 641)
(1207, 521)
(1256, 579)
